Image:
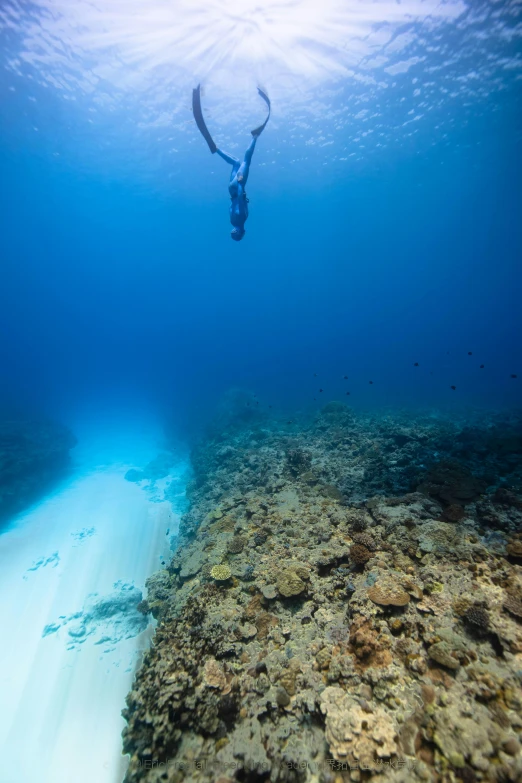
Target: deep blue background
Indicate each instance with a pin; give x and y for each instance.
(113, 292)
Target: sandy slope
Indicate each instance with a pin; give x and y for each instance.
(61, 696)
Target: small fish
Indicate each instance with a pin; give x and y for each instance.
(257, 402)
(513, 375)
(453, 387)
(168, 531)
(315, 375)
(481, 367)
(320, 390)
(470, 353)
(345, 377)
(370, 381)
(415, 364)
(348, 393)
(269, 406)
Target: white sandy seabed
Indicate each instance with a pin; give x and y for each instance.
(70, 571)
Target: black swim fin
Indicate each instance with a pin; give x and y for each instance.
(200, 122)
(258, 131)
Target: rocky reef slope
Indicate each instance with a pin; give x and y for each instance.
(33, 454)
(345, 603)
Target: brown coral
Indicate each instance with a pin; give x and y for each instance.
(478, 617)
(387, 592)
(367, 645)
(264, 622)
(236, 545)
(366, 540)
(360, 554)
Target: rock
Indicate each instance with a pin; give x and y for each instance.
(282, 697)
(135, 475)
(354, 734)
(269, 592)
(441, 653)
(248, 631)
(191, 565)
(511, 746)
(213, 675)
(289, 583)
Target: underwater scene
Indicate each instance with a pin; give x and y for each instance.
(261, 391)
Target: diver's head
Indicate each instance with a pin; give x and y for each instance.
(237, 234)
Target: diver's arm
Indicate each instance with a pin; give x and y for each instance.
(227, 158)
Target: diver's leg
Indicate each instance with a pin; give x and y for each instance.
(250, 151)
(228, 158)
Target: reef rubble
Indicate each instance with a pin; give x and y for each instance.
(344, 603)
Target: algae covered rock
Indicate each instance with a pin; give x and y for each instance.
(291, 581)
(289, 584)
(441, 653)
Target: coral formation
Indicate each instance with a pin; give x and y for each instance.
(387, 592)
(366, 625)
(221, 573)
(236, 545)
(354, 733)
(360, 554)
(477, 616)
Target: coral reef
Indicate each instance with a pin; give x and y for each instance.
(345, 603)
(33, 455)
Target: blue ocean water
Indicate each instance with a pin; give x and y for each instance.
(385, 202)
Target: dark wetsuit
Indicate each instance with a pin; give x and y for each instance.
(236, 186)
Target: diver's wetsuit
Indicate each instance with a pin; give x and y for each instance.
(236, 186)
(240, 170)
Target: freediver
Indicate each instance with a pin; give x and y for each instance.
(240, 169)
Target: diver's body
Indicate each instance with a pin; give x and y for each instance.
(236, 188)
(240, 170)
